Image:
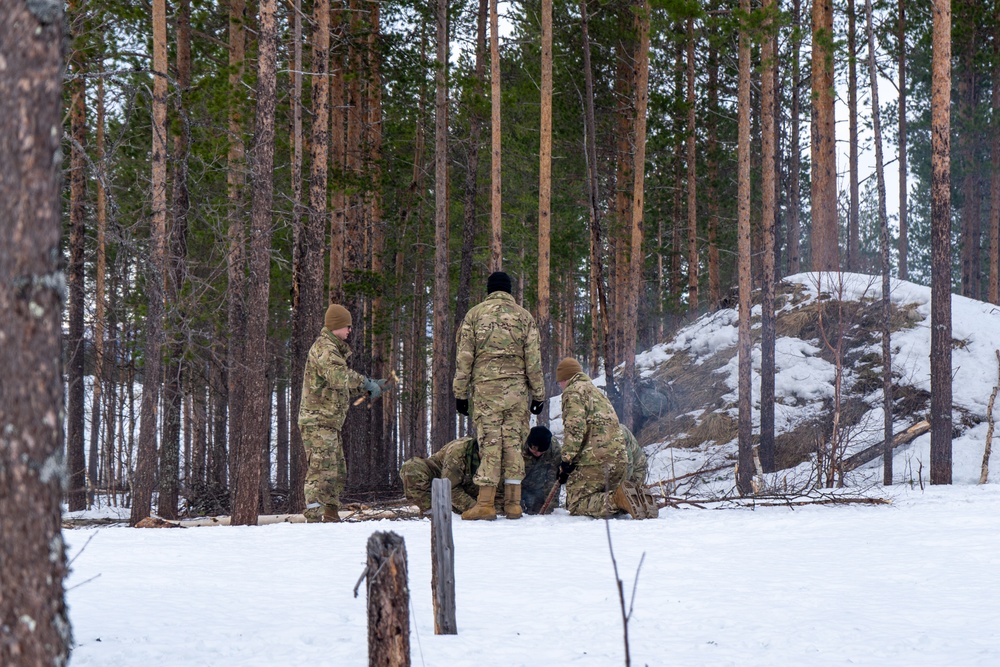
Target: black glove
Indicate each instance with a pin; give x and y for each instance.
(565, 468)
(462, 406)
(536, 407)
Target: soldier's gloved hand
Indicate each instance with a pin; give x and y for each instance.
(565, 468)
(373, 387)
(462, 406)
(536, 407)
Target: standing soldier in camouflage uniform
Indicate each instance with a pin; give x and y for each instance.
(498, 369)
(328, 386)
(457, 462)
(595, 463)
(541, 470)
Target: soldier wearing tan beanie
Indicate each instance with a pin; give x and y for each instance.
(337, 317)
(567, 368)
(328, 388)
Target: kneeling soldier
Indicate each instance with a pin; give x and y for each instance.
(457, 461)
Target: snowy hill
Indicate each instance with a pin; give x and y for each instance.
(691, 383)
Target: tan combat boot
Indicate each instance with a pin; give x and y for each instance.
(483, 509)
(330, 515)
(627, 499)
(512, 500)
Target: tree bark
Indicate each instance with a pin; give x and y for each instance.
(388, 602)
(745, 418)
(100, 316)
(34, 621)
(712, 127)
(236, 259)
(496, 220)
(692, 177)
(76, 494)
(299, 341)
(441, 400)
(993, 291)
(545, 199)
(853, 263)
(941, 390)
(825, 252)
(903, 187)
(145, 470)
(768, 104)
(635, 252)
(794, 149)
(884, 248)
(246, 472)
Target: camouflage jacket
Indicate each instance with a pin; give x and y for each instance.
(328, 385)
(591, 432)
(498, 340)
(457, 462)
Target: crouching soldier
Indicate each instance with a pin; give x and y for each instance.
(541, 470)
(594, 460)
(457, 462)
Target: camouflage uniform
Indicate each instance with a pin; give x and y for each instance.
(636, 459)
(328, 386)
(593, 440)
(457, 461)
(540, 475)
(498, 365)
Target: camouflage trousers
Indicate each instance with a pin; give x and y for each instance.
(326, 472)
(418, 476)
(500, 415)
(589, 489)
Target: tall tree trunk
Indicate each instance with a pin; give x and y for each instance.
(993, 291)
(338, 152)
(469, 223)
(692, 176)
(745, 418)
(941, 392)
(883, 220)
(100, 317)
(175, 276)
(968, 139)
(34, 621)
(496, 211)
(853, 216)
(794, 148)
(903, 187)
(712, 148)
(246, 471)
(598, 294)
(545, 199)
(145, 471)
(76, 495)
(441, 399)
(236, 260)
(768, 106)
(825, 252)
(629, 398)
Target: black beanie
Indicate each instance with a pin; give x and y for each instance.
(540, 438)
(498, 282)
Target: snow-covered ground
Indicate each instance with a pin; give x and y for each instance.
(912, 583)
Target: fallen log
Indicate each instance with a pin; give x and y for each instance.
(875, 451)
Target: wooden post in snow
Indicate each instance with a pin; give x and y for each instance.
(442, 559)
(388, 602)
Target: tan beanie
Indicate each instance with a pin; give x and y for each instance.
(337, 317)
(567, 368)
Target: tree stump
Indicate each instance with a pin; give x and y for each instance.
(442, 559)
(388, 602)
